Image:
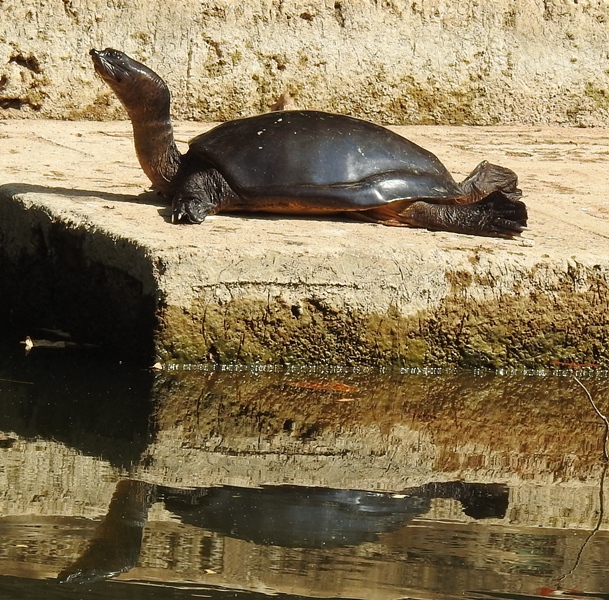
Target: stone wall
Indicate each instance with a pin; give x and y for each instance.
(393, 61)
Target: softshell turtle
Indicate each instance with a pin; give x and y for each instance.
(306, 162)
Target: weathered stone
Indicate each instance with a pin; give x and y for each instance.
(432, 62)
(79, 250)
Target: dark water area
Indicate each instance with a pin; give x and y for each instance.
(126, 483)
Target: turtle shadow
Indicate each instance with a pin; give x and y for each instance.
(165, 212)
(151, 198)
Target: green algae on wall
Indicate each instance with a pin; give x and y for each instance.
(529, 329)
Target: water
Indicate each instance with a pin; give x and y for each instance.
(124, 483)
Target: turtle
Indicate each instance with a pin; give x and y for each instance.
(306, 162)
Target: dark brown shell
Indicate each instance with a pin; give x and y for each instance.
(341, 162)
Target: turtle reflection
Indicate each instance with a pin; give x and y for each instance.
(305, 517)
(287, 516)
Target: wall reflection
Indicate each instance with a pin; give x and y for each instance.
(340, 484)
(285, 516)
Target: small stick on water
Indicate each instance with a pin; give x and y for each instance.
(599, 413)
(601, 516)
(601, 491)
(17, 381)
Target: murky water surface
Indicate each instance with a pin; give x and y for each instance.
(118, 483)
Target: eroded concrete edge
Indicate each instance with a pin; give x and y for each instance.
(410, 308)
(503, 307)
(69, 275)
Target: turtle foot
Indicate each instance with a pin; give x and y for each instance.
(501, 215)
(497, 215)
(188, 210)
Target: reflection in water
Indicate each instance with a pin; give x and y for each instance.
(101, 410)
(544, 593)
(295, 517)
(210, 483)
(286, 516)
(18, 588)
(380, 434)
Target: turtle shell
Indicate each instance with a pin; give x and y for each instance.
(323, 161)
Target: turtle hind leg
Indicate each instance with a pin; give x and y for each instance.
(497, 215)
(387, 215)
(487, 178)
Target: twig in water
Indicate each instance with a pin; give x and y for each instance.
(599, 413)
(601, 492)
(17, 381)
(601, 516)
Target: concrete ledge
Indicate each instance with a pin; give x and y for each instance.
(83, 248)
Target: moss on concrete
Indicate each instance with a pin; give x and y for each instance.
(529, 330)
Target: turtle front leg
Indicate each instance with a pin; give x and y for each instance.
(200, 193)
(190, 209)
(495, 216)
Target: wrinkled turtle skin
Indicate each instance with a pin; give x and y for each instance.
(306, 162)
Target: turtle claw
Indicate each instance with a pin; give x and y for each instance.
(505, 229)
(188, 210)
(501, 215)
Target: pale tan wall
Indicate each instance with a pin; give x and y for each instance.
(421, 61)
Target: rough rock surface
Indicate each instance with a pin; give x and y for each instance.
(80, 249)
(422, 62)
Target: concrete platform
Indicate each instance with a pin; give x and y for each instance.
(84, 248)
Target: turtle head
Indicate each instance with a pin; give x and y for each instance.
(139, 88)
(146, 98)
